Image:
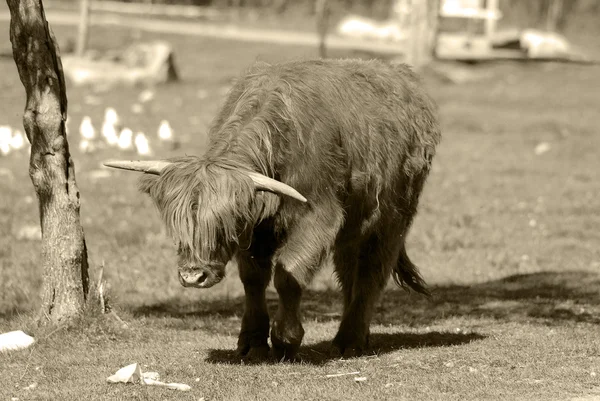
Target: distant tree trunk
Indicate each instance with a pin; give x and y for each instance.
(64, 253)
(84, 27)
(555, 9)
(322, 11)
(420, 44)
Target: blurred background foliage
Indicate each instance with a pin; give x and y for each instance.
(517, 13)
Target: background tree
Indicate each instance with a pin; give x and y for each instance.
(323, 15)
(84, 27)
(64, 253)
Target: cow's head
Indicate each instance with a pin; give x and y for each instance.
(207, 208)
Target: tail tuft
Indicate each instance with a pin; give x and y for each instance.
(407, 275)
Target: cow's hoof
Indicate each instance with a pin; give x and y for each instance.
(351, 343)
(285, 352)
(252, 339)
(286, 341)
(255, 354)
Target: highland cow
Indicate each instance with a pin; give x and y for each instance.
(305, 160)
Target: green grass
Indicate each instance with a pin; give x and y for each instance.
(507, 239)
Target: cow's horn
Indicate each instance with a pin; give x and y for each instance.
(145, 166)
(265, 183)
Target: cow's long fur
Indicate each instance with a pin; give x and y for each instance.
(355, 136)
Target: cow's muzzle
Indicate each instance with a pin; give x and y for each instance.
(199, 278)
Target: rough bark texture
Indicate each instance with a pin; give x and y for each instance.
(64, 254)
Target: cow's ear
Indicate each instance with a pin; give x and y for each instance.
(148, 184)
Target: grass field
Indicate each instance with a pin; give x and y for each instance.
(508, 240)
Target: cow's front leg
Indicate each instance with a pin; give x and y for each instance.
(287, 331)
(252, 341)
(295, 265)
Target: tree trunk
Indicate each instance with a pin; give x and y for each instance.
(64, 253)
(554, 13)
(420, 44)
(84, 27)
(322, 11)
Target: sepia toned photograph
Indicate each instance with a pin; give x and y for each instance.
(300, 200)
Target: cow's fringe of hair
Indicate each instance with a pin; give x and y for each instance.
(202, 204)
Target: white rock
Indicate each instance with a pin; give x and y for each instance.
(15, 340)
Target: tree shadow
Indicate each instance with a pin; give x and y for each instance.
(380, 343)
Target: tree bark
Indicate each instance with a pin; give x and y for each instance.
(64, 253)
(84, 27)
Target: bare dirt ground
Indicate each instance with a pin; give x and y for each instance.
(507, 238)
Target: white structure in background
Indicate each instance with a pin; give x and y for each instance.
(355, 26)
(125, 141)
(165, 132)
(110, 126)
(141, 144)
(17, 141)
(86, 129)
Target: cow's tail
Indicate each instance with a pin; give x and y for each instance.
(407, 275)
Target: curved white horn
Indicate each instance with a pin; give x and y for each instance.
(145, 166)
(264, 183)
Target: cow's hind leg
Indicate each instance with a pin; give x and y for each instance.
(375, 264)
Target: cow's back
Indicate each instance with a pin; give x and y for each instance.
(334, 127)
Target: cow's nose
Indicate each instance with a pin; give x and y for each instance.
(192, 279)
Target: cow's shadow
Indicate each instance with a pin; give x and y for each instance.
(379, 344)
(547, 298)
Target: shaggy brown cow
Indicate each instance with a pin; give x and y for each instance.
(356, 138)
